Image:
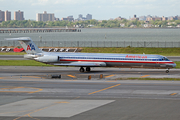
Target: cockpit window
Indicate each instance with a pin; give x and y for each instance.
(164, 59)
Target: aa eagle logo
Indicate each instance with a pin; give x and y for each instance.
(30, 47)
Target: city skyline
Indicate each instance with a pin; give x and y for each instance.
(100, 9)
(19, 15)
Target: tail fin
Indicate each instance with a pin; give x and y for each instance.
(27, 44)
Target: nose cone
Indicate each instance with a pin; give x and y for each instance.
(174, 65)
(37, 59)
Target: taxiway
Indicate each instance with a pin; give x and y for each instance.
(30, 93)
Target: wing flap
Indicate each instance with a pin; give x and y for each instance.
(83, 64)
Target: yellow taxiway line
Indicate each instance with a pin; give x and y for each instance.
(9, 88)
(173, 94)
(108, 76)
(71, 76)
(104, 89)
(145, 76)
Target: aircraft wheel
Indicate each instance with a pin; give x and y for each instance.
(88, 69)
(81, 69)
(167, 71)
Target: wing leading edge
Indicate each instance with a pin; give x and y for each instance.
(83, 64)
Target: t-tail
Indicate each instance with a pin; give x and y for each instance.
(27, 44)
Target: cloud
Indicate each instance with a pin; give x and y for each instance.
(54, 2)
(40, 2)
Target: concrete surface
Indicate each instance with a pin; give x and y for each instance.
(25, 95)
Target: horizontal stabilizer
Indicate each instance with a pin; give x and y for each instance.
(20, 38)
(84, 64)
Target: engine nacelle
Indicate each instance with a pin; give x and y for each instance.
(29, 56)
(47, 59)
(32, 56)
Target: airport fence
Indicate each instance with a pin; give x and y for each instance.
(155, 44)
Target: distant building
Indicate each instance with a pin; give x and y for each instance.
(18, 15)
(142, 18)
(134, 18)
(174, 17)
(171, 18)
(69, 18)
(153, 18)
(45, 16)
(164, 18)
(119, 18)
(56, 19)
(1, 16)
(7, 15)
(158, 18)
(64, 19)
(149, 18)
(88, 17)
(80, 17)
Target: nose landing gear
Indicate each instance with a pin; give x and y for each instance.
(167, 71)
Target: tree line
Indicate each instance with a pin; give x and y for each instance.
(88, 23)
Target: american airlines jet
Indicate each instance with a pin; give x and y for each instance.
(88, 60)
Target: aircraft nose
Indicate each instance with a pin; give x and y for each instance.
(37, 59)
(174, 65)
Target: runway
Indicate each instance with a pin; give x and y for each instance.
(21, 57)
(30, 93)
(12, 57)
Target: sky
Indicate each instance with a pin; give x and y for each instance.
(99, 9)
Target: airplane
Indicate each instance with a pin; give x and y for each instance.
(89, 60)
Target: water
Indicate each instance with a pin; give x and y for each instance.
(103, 35)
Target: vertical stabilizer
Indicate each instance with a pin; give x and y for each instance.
(27, 44)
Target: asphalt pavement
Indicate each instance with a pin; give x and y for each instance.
(30, 93)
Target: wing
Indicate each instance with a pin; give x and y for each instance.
(83, 64)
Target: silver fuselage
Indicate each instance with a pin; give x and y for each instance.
(110, 60)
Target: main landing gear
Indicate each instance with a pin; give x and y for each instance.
(88, 69)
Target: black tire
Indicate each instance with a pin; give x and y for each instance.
(81, 69)
(88, 69)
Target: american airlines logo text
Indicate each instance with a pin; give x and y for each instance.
(30, 47)
(133, 56)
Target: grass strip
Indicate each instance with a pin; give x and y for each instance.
(177, 64)
(131, 50)
(12, 53)
(22, 63)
